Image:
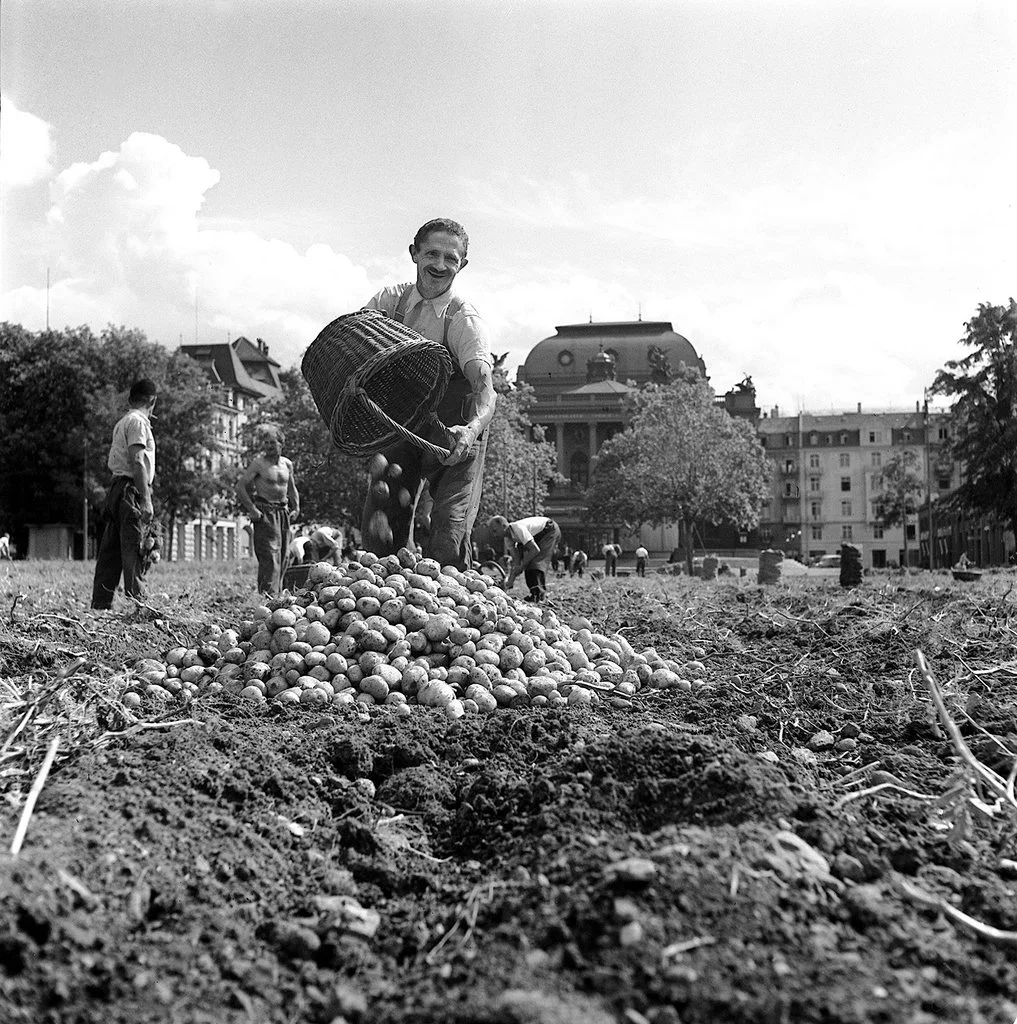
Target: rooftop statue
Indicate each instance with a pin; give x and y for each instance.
(660, 364)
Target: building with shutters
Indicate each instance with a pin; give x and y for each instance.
(241, 374)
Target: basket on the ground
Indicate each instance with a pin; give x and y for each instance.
(375, 381)
(295, 576)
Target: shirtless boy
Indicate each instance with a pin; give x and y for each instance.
(267, 489)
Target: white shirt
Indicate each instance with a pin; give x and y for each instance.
(522, 531)
(131, 429)
(468, 336)
(642, 553)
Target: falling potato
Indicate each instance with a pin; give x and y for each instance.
(405, 497)
(377, 466)
(395, 471)
(379, 490)
(378, 527)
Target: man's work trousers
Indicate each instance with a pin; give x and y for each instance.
(454, 492)
(534, 574)
(120, 548)
(271, 539)
(640, 566)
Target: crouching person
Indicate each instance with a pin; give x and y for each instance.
(531, 542)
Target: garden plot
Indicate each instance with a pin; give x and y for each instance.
(801, 835)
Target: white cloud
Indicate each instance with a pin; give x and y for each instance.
(26, 146)
(132, 250)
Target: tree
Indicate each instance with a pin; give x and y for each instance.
(45, 380)
(332, 485)
(520, 465)
(187, 484)
(680, 459)
(983, 384)
(901, 494)
(61, 392)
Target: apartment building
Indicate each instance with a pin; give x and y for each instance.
(241, 374)
(827, 481)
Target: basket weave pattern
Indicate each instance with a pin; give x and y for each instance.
(374, 381)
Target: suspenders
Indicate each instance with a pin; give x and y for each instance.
(450, 311)
(458, 399)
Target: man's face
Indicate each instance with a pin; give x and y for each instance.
(271, 445)
(438, 260)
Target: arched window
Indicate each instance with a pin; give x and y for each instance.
(579, 469)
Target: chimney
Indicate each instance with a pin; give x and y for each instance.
(859, 406)
(776, 412)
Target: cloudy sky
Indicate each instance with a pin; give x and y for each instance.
(815, 194)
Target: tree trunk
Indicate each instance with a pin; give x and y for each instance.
(170, 532)
(687, 536)
(905, 525)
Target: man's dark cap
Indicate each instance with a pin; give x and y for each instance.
(143, 389)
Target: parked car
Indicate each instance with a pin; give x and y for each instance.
(828, 562)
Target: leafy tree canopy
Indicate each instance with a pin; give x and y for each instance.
(61, 392)
(983, 386)
(680, 459)
(903, 485)
(520, 465)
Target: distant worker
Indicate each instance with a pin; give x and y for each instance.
(5, 545)
(274, 499)
(610, 553)
(531, 542)
(324, 544)
(641, 556)
(297, 549)
(128, 509)
(578, 564)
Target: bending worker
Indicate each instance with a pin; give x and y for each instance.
(401, 474)
(532, 541)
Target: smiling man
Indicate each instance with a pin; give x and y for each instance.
(405, 475)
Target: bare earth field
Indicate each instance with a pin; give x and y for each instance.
(796, 839)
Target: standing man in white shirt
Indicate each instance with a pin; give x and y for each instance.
(532, 540)
(641, 556)
(128, 509)
(431, 307)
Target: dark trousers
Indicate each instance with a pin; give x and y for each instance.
(452, 491)
(120, 548)
(611, 565)
(271, 539)
(640, 566)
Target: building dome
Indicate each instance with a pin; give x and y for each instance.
(642, 350)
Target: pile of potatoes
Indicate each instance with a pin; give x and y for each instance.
(402, 630)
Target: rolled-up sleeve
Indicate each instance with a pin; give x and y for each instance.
(469, 337)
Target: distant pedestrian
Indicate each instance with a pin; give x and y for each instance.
(125, 545)
(5, 545)
(274, 499)
(578, 564)
(531, 541)
(641, 556)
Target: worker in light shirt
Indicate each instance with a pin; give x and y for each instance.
(641, 556)
(531, 542)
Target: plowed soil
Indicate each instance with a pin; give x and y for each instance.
(777, 846)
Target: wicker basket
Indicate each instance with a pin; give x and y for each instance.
(375, 382)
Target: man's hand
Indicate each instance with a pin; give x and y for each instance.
(460, 440)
